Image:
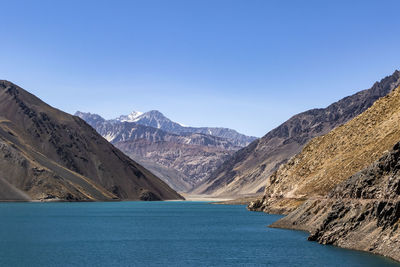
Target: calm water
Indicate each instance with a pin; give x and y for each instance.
(157, 234)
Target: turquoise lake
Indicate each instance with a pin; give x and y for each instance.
(158, 234)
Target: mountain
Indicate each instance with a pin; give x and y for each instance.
(46, 154)
(362, 213)
(174, 178)
(246, 171)
(115, 131)
(193, 163)
(329, 160)
(157, 120)
(130, 117)
(344, 187)
(180, 160)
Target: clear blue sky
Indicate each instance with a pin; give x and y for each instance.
(247, 65)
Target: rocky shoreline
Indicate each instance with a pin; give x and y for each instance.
(362, 213)
(350, 225)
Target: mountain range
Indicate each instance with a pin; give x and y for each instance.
(157, 120)
(247, 170)
(344, 187)
(47, 154)
(330, 159)
(181, 156)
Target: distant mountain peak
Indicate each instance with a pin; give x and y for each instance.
(158, 120)
(131, 117)
(153, 118)
(154, 114)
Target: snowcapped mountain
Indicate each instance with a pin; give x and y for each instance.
(152, 118)
(157, 120)
(129, 118)
(115, 131)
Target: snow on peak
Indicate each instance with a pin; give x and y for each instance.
(135, 114)
(131, 117)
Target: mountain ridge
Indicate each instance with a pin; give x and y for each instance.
(330, 159)
(247, 170)
(156, 119)
(121, 131)
(51, 155)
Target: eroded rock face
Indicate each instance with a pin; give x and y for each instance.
(368, 184)
(361, 213)
(247, 171)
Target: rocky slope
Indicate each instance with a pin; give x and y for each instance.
(46, 154)
(246, 172)
(330, 159)
(174, 178)
(181, 160)
(361, 213)
(193, 163)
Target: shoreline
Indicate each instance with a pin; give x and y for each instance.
(187, 199)
(243, 200)
(287, 225)
(204, 198)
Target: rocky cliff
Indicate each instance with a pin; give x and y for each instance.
(248, 169)
(46, 154)
(362, 213)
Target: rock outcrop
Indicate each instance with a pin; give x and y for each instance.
(46, 154)
(247, 171)
(361, 213)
